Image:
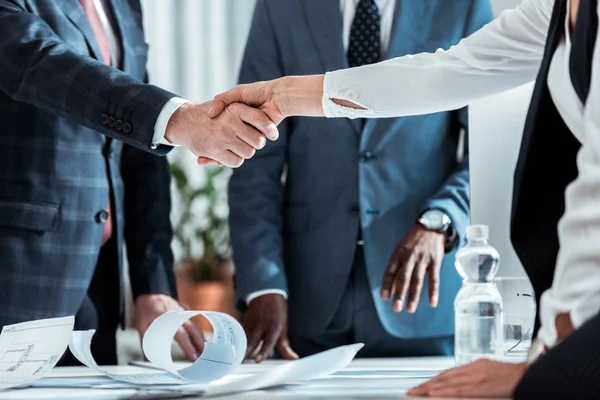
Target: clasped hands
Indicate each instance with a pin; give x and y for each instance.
(237, 123)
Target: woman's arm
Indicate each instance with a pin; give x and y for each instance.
(502, 55)
(576, 284)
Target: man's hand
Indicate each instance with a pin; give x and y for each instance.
(151, 306)
(229, 139)
(481, 379)
(265, 322)
(420, 253)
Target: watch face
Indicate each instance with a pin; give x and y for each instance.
(434, 220)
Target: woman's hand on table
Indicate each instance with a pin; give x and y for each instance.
(480, 379)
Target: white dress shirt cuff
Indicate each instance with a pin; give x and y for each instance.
(160, 128)
(254, 295)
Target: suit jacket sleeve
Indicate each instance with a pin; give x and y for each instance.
(453, 198)
(148, 230)
(39, 68)
(256, 191)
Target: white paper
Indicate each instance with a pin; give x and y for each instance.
(211, 374)
(220, 357)
(321, 364)
(30, 349)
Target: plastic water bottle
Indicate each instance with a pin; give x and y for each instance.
(478, 306)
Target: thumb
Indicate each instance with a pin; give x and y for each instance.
(222, 100)
(284, 348)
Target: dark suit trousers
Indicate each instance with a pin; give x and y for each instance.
(571, 370)
(100, 309)
(356, 320)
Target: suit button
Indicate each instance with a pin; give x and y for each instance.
(104, 119)
(126, 127)
(367, 156)
(112, 122)
(102, 216)
(354, 210)
(119, 125)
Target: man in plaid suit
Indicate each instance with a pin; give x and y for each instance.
(72, 76)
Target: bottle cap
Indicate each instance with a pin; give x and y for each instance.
(478, 232)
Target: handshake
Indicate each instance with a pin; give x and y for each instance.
(235, 124)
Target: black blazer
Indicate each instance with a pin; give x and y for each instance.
(547, 164)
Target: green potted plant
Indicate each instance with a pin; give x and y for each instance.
(204, 269)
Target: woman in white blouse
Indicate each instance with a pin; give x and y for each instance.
(503, 55)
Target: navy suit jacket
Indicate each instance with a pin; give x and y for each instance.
(300, 235)
(59, 107)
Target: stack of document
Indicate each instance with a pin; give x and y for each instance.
(28, 351)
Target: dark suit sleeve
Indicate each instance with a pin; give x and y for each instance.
(255, 190)
(148, 230)
(570, 370)
(39, 68)
(453, 198)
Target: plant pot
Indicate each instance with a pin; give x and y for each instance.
(217, 295)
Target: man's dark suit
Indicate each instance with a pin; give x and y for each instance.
(58, 104)
(547, 164)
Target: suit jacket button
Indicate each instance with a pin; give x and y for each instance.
(112, 122)
(126, 127)
(354, 210)
(367, 156)
(104, 119)
(102, 217)
(119, 125)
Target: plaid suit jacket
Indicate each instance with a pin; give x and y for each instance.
(60, 108)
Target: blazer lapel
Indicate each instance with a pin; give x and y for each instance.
(75, 14)
(324, 20)
(540, 91)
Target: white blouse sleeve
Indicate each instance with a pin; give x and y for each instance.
(576, 284)
(502, 55)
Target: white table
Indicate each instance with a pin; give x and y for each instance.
(364, 379)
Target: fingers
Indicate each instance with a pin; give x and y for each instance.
(223, 100)
(433, 275)
(269, 340)
(284, 348)
(196, 336)
(185, 343)
(402, 281)
(257, 119)
(390, 275)
(229, 159)
(254, 334)
(207, 161)
(455, 375)
(242, 149)
(416, 284)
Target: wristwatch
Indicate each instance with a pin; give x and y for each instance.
(438, 221)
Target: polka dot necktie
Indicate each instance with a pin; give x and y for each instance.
(364, 46)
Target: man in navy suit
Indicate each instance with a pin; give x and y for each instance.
(360, 201)
(72, 79)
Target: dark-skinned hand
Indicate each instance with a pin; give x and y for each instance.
(265, 323)
(419, 254)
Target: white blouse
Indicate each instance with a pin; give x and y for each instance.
(502, 55)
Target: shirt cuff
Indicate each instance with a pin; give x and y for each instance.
(255, 295)
(160, 128)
